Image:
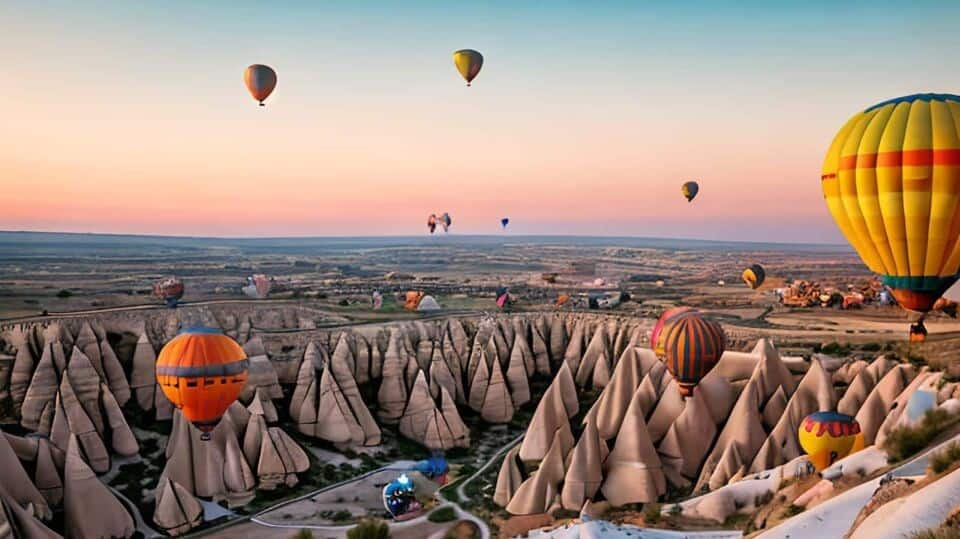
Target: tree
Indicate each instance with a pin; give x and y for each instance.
(369, 529)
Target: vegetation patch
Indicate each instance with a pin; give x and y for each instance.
(369, 529)
(444, 514)
(943, 460)
(792, 510)
(905, 442)
(938, 533)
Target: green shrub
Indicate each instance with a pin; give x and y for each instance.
(302, 534)
(444, 514)
(905, 442)
(792, 510)
(651, 513)
(942, 460)
(369, 529)
(342, 516)
(64, 293)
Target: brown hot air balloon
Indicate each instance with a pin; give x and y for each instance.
(260, 81)
(692, 346)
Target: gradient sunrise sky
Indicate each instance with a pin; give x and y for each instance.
(131, 117)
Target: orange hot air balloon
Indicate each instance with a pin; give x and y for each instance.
(655, 342)
(260, 81)
(692, 345)
(412, 300)
(202, 371)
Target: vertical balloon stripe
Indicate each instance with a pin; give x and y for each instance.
(917, 181)
(943, 191)
(849, 195)
(868, 189)
(952, 265)
(890, 185)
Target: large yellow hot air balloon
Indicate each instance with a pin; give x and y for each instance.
(891, 180)
(260, 81)
(828, 437)
(468, 62)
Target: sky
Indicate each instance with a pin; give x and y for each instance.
(131, 117)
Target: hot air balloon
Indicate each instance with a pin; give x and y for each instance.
(202, 371)
(690, 190)
(692, 345)
(827, 437)
(655, 343)
(754, 276)
(400, 498)
(503, 297)
(412, 300)
(432, 223)
(170, 290)
(468, 62)
(918, 332)
(445, 221)
(260, 81)
(434, 468)
(258, 286)
(562, 300)
(504, 222)
(891, 180)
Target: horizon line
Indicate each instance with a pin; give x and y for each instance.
(417, 236)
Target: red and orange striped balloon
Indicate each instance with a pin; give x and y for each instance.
(202, 372)
(656, 340)
(692, 346)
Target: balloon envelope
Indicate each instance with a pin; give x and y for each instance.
(202, 371)
(432, 223)
(504, 222)
(690, 190)
(169, 290)
(754, 276)
(891, 180)
(692, 345)
(468, 63)
(258, 286)
(827, 437)
(260, 81)
(655, 342)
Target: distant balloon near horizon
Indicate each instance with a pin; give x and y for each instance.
(891, 180)
(170, 290)
(754, 276)
(504, 222)
(468, 63)
(690, 190)
(445, 221)
(260, 80)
